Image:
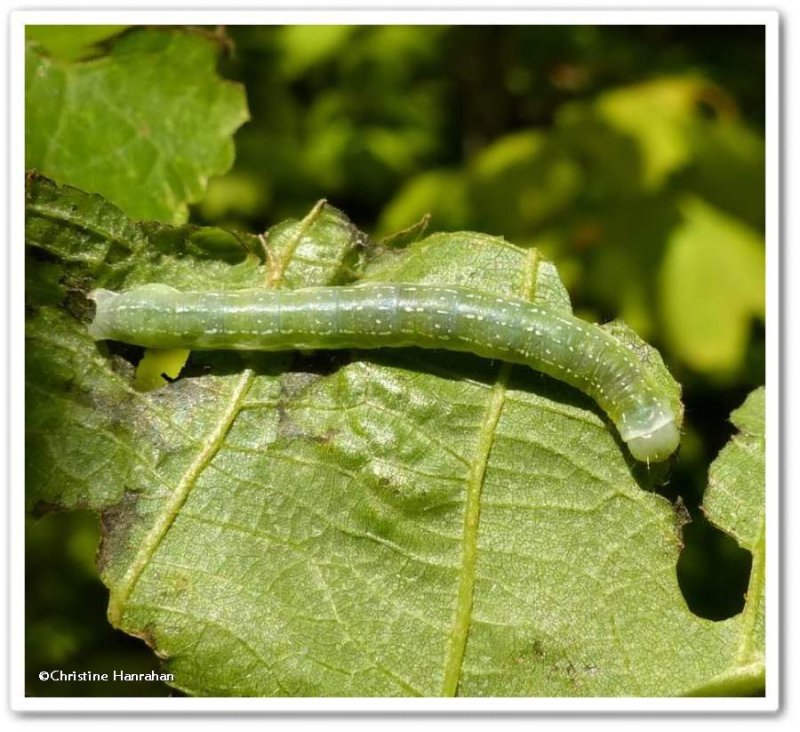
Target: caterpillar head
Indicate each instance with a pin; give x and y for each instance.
(651, 430)
(657, 444)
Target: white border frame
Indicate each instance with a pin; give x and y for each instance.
(367, 16)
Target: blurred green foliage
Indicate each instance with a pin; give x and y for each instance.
(632, 156)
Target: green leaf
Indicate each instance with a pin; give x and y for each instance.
(304, 46)
(379, 523)
(70, 42)
(158, 363)
(660, 116)
(730, 170)
(735, 502)
(520, 181)
(441, 194)
(712, 287)
(144, 125)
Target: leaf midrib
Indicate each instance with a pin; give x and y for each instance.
(457, 642)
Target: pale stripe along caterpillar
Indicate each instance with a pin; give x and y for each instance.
(395, 315)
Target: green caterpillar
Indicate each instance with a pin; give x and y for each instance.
(396, 315)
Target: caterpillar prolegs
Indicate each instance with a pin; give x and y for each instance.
(396, 315)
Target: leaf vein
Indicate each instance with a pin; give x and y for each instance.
(122, 591)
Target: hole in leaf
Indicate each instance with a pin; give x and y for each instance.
(713, 571)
